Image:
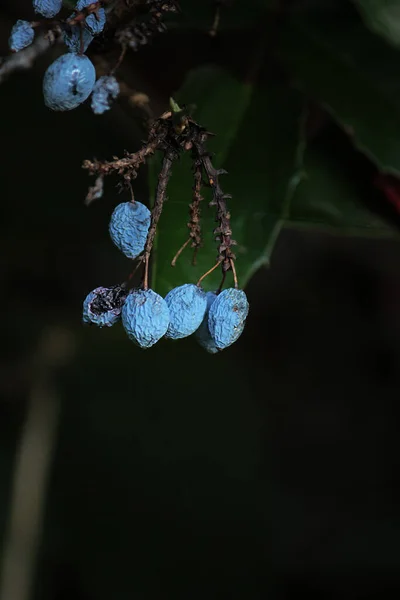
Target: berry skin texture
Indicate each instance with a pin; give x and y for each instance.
(68, 82)
(103, 306)
(187, 305)
(227, 317)
(95, 21)
(72, 38)
(105, 90)
(21, 36)
(128, 227)
(47, 8)
(145, 317)
(203, 335)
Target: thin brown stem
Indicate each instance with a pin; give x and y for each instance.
(208, 272)
(163, 178)
(234, 273)
(181, 249)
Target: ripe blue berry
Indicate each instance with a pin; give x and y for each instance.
(68, 81)
(227, 317)
(187, 305)
(105, 90)
(203, 335)
(128, 227)
(103, 305)
(95, 21)
(72, 38)
(145, 317)
(47, 8)
(21, 36)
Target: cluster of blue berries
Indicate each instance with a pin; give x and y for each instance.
(71, 78)
(216, 320)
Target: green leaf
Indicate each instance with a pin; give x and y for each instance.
(258, 142)
(332, 197)
(354, 75)
(383, 17)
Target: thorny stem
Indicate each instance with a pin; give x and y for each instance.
(223, 231)
(194, 223)
(163, 178)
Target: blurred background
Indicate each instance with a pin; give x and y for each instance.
(268, 471)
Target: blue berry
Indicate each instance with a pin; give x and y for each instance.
(47, 8)
(145, 317)
(187, 305)
(95, 21)
(203, 335)
(72, 38)
(227, 317)
(68, 81)
(105, 90)
(128, 227)
(103, 305)
(21, 36)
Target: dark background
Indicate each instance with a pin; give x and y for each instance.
(269, 471)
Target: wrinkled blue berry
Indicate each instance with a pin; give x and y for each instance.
(47, 8)
(128, 227)
(145, 317)
(68, 81)
(203, 335)
(72, 38)
(227, 317)
(21, 36)
(103, 305)
(95, 21)
(187, 305)
(105, 90)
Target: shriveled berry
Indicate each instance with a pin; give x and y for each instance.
(105, 90)
(77, 38)
(202, 334)
(227, 317)
(187, 305)
(95, 21)
(47, 8)
(145, 317)
(68, 81)
(103, 305)
(21, 36)
(129, 226)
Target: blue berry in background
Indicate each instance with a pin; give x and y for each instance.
(68, 82)
(203, 335)
(187, 305)
(128, 227)
(105, 90)
(227, 317)
(95, 21)
(47, 8)
(21, 36)
(103, 305)
(72, 38)
(145, 317)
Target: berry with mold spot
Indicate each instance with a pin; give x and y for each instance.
(105, 90)
(47, 8)
(21, 36)
(129, 226)
(202, 334)
(68, 82)
(145, 317)
(103, 305)
(187, 305)
(227, 317)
